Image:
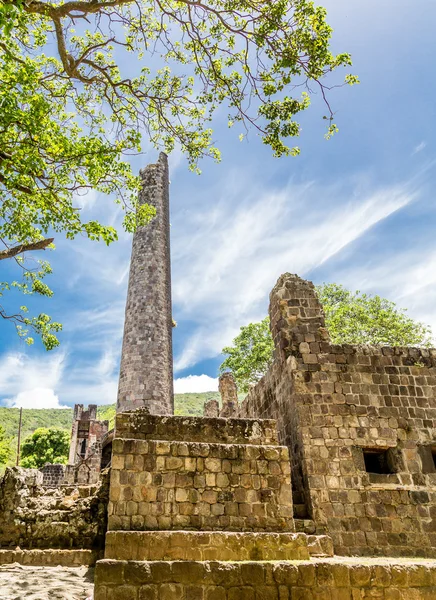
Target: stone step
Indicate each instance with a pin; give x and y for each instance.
(141, 425)
(210, 545)
(305, 526)
(300, 511)
(328, 578)
(50, 557)
(319, 545)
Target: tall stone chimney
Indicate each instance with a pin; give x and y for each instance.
(146, 374)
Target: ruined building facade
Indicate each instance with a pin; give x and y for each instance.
(88, 437)
(360, 425)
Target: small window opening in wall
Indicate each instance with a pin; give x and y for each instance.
(433, 453)
(83, 449)
(377, 461)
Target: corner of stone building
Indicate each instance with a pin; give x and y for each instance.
(296, 317)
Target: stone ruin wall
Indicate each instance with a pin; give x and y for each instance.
(167, 463)
(333, 404)
(86, 447)
(53, 475)
(229, 395)
(179, 473)
(34, 516)
(211, 408)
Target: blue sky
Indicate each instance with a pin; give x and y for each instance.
(358, 210)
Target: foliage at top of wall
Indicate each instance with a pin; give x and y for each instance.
(351, 318)
(358, 318)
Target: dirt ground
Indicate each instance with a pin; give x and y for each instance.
(18, 582)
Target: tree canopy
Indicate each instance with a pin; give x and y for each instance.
(45, 446)
(358, 318)
(84, 83)
(5, 447)
(250, 355)
(351, 318)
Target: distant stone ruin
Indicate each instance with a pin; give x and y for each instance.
(88, 439)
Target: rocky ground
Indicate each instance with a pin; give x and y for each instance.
(18, 582)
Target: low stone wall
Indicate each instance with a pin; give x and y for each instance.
(232, 481)
(50, 558)
(32, 516)
(52, 475)
(181, 485)
(140, 425)
(323, 579)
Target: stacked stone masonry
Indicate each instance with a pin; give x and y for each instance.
(360, 424)
(146, 372)
(86, 447)
(141, 425)
(214, 545)
(229, 395)
(49, 557)
(33, 516)
(322, 579)
(236, 486)
(211, 408)
(52, 475)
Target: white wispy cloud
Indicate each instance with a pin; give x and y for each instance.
(419, 147)
(31, 382)
(195, 383)
(406, 277)
(56, 380)
(226, 260)
(35, 398)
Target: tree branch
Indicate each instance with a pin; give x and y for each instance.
(18, 186)
(11, 252)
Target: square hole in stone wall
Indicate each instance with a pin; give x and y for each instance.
(378, 461)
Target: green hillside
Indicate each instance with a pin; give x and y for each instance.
(184, 404)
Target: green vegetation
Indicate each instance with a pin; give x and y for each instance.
(34, 419)
(357, 318)
(351, 318)
(83, 83)
(251, 354)
(45, 446)
(192, 404)
(5, 447)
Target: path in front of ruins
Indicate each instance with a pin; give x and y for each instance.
(18, 582)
